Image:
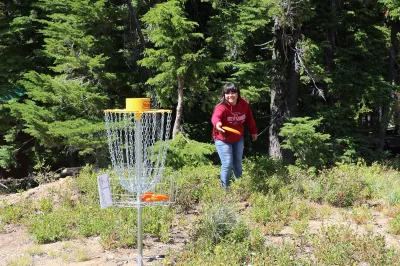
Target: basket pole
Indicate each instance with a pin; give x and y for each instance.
(119, 133)
(138, 149)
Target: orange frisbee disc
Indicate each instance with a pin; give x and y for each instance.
(231, 130)
(151, 196)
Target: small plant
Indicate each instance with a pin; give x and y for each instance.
(325, 211)
(339, 245)
(64, 256)
(240, 232)
(35, 250)
(51, 227)
(218, 221)
(53, 253)
(361, 215)
(265, 174)
(273, 227)
(393, 196)
(197, 184)
(25, 260)
(342, 186)
(300, 227)
(81, 254)
(42, 174)
(158, 221)
(282, 255)
(302, 209)
(395, 225)
(269, 208)
(16, 213)
(257, 239)
(46, 204)
(71, 252)
(393, 211)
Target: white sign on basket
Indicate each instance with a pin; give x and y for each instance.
(103, 182)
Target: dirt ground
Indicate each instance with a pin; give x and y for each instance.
(16, 244)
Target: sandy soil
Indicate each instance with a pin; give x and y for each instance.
(16, 244)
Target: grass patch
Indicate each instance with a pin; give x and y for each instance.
(339, 245)
(225, 233)
(24, 260)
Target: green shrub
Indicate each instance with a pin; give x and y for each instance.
(197, 184)
(349, 149)
(46, 204)
(120, 230)
(394, 163)
(340, 245)
(240, 232)
(157, 221)
(269, 208)
(52, 227)
(309, 146)
(183, 151)
(265, 174)
(227, 253)
(93, 221)
(16, 213)
(394, 226)
(302, 209)
(393, 196)
(341, 186)
(86, 185)
(361, 215)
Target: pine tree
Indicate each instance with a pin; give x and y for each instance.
(63, 104)
(18, 40)
(176, 56)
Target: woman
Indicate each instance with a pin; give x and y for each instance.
(231, 111)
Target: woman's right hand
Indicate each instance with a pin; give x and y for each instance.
(218, 126)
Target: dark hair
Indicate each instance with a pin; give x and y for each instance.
(227, 88)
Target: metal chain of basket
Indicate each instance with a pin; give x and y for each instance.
(138, 147)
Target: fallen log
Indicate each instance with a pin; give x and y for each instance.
(70, 171)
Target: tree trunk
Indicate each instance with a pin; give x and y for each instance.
(391, 78)
(330, 49)
(137, 24)
(285, 86)
(179, 108)
(148, 71)
(332, 31)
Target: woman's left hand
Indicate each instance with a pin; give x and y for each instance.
(254, 137)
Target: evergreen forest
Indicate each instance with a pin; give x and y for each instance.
(321, 76)
(320, 185)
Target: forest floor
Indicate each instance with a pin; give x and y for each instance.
(15, 242)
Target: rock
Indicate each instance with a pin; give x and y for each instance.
(70, 171)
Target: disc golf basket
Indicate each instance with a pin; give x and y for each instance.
(138, 141)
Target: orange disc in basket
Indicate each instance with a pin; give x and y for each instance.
(147, 195)
(231, 130)
(151, 196)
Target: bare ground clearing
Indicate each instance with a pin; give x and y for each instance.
(15, 242)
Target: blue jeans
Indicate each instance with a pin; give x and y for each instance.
(231, 159)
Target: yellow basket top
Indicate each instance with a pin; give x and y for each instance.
(137, 106)
(150, 111)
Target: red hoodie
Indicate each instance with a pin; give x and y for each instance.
(233, 116)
